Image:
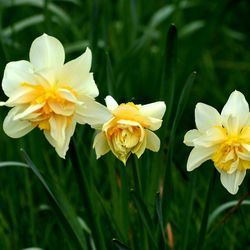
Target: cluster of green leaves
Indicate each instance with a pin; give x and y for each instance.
(140, 56)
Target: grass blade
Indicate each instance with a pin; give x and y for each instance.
(203, 227)
(167, 190)
(144, 214)
(119, 245)
(13, 163)
(23, 24)
(169, 77)
(61, 203)
(188, 212)
(32, 248)
(222, 208)
(110, 76)
(40, 4)
(86, 193)
(160, 217)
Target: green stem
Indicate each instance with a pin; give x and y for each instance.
(124, 202)
(87, 201)
(136, 177)
(30, 201)
(188, 212)
(203, 228)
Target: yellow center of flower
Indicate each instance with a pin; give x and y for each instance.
(231, 150)
(53, 103)
(124, 137)
(125, 132)
(129, 111)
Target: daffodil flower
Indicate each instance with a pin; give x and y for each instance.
(129, 130)
(224, 138)
(50, 95)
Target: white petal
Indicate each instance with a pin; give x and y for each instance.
(211, 137)
(154, 110)
(16, 128)
(153, 141)
(232, 181)
(154, 123)
(230, 156)
(47, 77)
(111, 103)
(58, 125)
(190, 136)
(19, 96)
(28, 112)
(93, 113)
(248, 121)
(129, 123)
(62, 109)
(140, 150)
(244, 156)
(231, 123)
(76, 74)
(233, 167)
(68, 95)
(197, 156)
(61, 149)
(246, 146)
(206, 117)
(46, 52)
(100, 145)
(237, 108)
(15, 74)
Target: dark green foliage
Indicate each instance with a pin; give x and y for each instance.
(143, 51)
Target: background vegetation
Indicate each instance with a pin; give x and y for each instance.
(138, 55)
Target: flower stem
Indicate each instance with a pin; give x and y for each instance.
(203, 228)
(87, 201)
(136, 177)
(188, 212)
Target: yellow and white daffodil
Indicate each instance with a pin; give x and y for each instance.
(224, 138)
(129, 130)
(50, 95)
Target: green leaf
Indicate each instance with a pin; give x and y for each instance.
(76, 46)
(160, 217)
(184, 97)
(4, 164)
(40, 4)
(108, 213)
(32, 248)
(144, 214)
(180, 109)
(84, 225)
(161, 15)
(169, 75)
(60, 204)
(23, 24)
(203, 226)
(192, 27)
(86, 190)
(234, 34)
(188, 212)
(222, 208)
(119, 245)
(110, 75)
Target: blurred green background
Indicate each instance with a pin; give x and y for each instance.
(133, 61)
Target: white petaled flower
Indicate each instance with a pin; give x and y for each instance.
(224, 138)
(50, 95)
(129, 130)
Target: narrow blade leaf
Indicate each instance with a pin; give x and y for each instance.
(60, 203)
